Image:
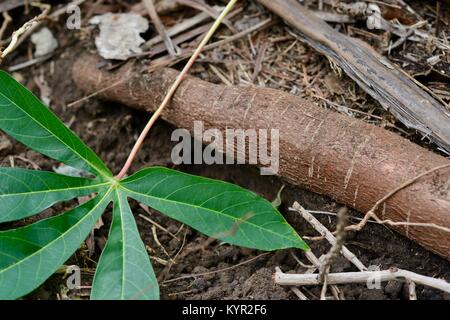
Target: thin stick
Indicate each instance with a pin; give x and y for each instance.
(211, 11)
(29, 63)
(93, 94)
(172, 89)
(317, 262)
(327, 234)
(6, 20)
(412, 290)
(323, 291)
(163, 62)
(296, 290)
(160, 27)
(187, 24)
(216, 271)
(158, 226)
(167, 269)
(349, 255)
(336, 248)
(178, 28)
(16, 34)
(30, 29)
(303, 265)
(286, 279)
(147, 210)
(155, 237)
(299, 294)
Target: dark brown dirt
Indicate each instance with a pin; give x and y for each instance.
(112, 129)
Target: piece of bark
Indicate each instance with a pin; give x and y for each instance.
(410, 104)
(150, 6)
(345, 158)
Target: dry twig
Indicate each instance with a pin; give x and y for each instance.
(6, 20)
(209, 10)
(411, 289)
(327, 235)
(361, 277)
(29, 27)
(194, 275)
(164, 62)
(160, 27)
(178, 28)
(336, 248)
(16, 34)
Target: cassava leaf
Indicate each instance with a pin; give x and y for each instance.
(216, 208)
(29, 255)
(26, 192)
(124, 270)
(26, 119)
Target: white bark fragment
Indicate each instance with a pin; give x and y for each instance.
(44, 42)
(119, 36)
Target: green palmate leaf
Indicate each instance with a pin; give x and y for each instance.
(26, 119)
(124, 270)
(26, 192)
(216, 208)
(29, 255)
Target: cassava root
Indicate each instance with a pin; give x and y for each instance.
(394, 90)
(345, 158)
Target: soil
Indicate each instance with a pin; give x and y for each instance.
(111, 131)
